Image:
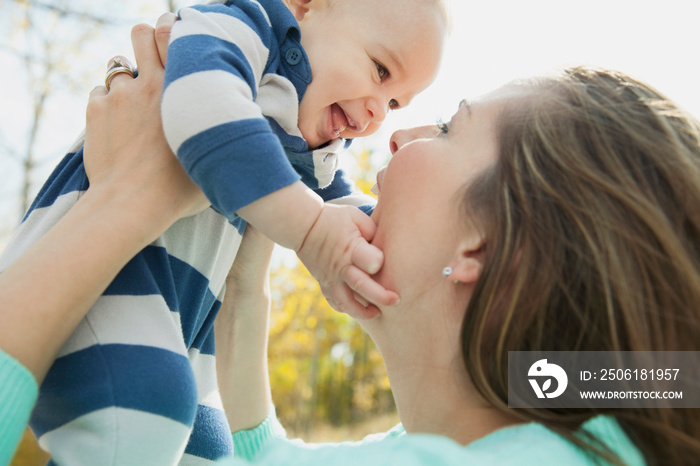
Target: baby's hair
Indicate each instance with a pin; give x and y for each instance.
(442, 7)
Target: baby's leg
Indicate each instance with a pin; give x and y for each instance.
(139, 372)
(122, 390)
(202, 249)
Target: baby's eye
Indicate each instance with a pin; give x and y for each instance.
(394, 105)
(382, 71)
(442, 126)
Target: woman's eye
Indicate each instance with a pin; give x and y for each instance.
(382, 71)
(443, 127)
(394, 105)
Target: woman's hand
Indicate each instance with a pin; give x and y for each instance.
(241, 330)
(126, 154)
(138, 189)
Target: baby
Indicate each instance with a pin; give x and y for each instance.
(259, 98)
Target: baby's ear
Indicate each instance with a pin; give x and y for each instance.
(299, 8)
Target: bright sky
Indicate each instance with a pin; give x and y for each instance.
(493, 41)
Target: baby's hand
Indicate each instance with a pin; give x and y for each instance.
(337, 253)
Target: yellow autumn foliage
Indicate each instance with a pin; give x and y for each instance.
(323, 367)
(340, 376)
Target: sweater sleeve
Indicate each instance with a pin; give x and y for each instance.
(216, 60)
(18, 393)
(248, 443)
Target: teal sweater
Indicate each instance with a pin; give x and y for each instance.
(526, 444)
(18, 393)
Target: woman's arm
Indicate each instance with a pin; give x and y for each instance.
(132, 199)
(241, 334)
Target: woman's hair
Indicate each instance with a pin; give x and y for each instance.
(592, 220)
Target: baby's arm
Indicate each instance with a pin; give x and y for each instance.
(336, 251)
(217, 57)
(331, 240)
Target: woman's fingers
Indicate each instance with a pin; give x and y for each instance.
(118, 58)
(119, 69)
(98, 91)
(150, 49)
(146, 51)
(162, 34)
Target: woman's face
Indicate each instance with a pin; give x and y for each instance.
(420, 224)
(420, 193)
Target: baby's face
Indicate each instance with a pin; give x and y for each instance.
(366, 58)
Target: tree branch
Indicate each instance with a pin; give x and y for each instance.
(66, 12)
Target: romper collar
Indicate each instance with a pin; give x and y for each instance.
(284, 24)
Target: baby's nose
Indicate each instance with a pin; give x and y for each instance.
(377, 109)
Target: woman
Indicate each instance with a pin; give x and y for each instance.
(565, 212)
(555, 214)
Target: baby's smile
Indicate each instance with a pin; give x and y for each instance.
(339, 120)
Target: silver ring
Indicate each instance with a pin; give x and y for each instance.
(117, 67)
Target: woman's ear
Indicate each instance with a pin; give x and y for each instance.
(468, 260)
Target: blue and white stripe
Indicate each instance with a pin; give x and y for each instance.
(136, 382)
(220, 59)
(138, 376)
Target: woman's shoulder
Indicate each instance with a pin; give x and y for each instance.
(524, 444)
(521, 445)
(535, 444)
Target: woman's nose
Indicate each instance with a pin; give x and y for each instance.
(403, 136)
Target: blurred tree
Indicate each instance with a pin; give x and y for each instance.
(323, 367)
(48, 65)
(29, 453)
(56, 49)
